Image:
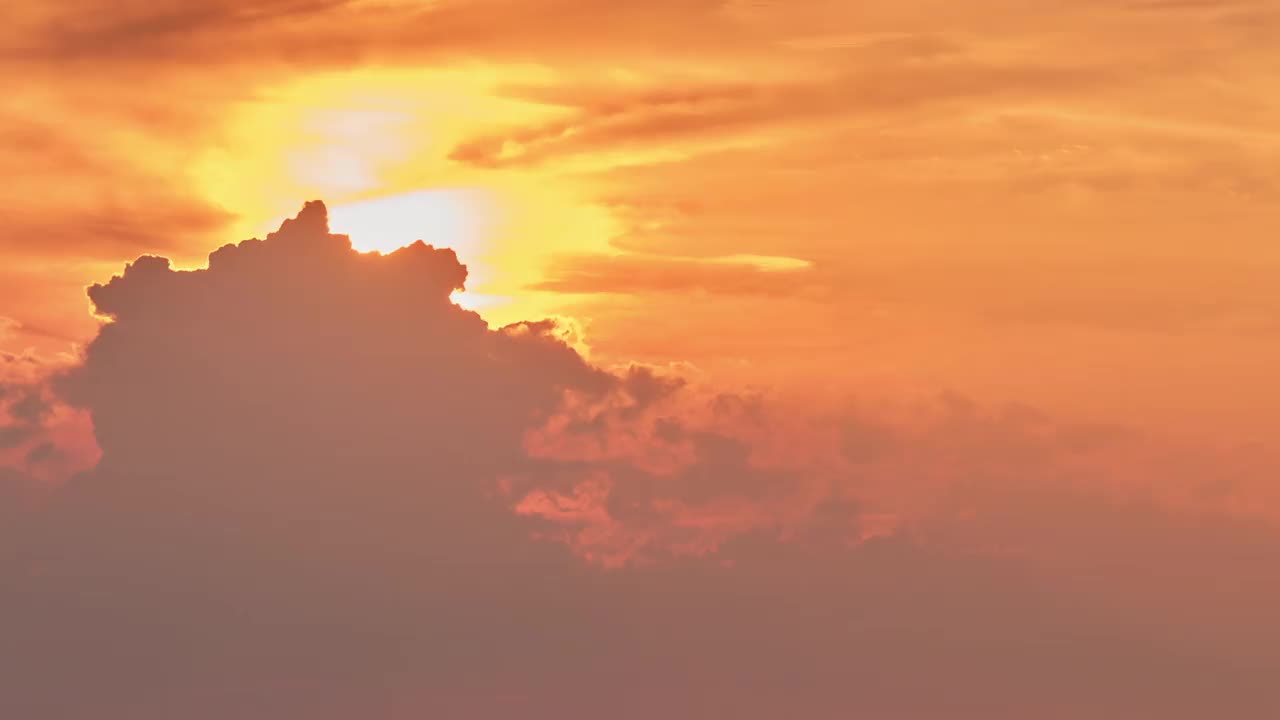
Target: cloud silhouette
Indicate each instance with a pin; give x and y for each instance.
(326, 491)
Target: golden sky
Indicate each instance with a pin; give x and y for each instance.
(1015, 200)
(901, 255)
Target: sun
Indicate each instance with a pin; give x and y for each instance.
(459, 219)
(451, 218)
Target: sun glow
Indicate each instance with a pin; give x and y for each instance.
(461, 220)
(377, 147)
(454, 219)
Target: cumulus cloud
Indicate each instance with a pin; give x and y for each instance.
(326, 491)
(42, 440)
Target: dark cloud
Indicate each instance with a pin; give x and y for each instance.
(44, 452)
(29, 408)
(107, 232)
(335, 32)
(325, 491)
(302, 311)
(134, 28)
(14, 435)
(41, 439)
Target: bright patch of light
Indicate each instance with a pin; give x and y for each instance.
(766, 263)
(478, 301)
(444, 218)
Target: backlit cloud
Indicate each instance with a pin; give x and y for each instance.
(327, 491)
(931, 370)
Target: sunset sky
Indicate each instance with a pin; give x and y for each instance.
(886, 359)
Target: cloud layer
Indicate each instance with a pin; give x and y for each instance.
(326, 491)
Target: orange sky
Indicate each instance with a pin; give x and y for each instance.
(922, 327)
(1014, 200)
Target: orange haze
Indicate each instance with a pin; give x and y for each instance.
(820, 359)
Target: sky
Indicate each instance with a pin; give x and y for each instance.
(692, 358)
